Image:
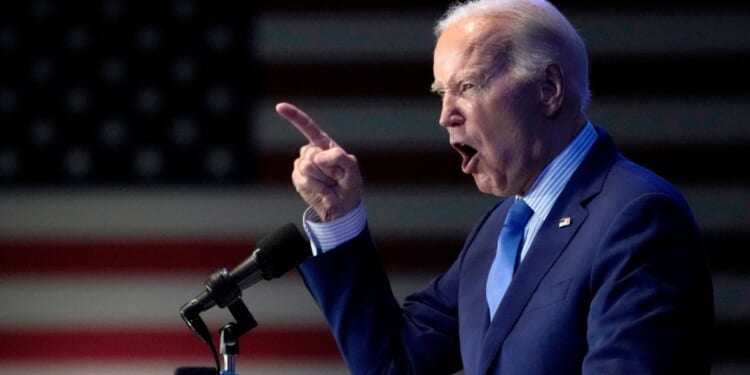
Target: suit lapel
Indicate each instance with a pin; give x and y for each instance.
(563, 221)
(547, 247)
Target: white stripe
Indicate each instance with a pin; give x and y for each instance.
(663, 32)
(367, 125)
(78, 302)
(343, 36)
(357, 125)
(395, 212)
(407, 35)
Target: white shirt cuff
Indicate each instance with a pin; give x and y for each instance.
(325, 236)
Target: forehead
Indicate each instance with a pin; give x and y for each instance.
(468, 46)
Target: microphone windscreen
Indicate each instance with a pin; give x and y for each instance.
(282, 250)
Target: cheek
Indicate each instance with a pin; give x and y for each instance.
(498, 121)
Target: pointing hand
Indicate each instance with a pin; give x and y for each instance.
(325, 176)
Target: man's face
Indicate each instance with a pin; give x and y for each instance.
(487, 112)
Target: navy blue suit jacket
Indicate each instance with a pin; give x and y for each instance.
(623, 289)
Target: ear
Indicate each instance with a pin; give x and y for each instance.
(552, 90)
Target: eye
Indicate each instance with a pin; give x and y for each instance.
(466, 86)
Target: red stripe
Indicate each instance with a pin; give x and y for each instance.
(132, 257)
(120, 257)
(306, 344)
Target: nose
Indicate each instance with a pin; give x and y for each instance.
(449, 114)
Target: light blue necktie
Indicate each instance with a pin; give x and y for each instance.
(508, 245)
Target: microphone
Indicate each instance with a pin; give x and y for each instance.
(277, 253)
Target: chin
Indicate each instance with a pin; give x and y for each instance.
(485, 185)
(488, 185)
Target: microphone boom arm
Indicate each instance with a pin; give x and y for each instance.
(277, 253)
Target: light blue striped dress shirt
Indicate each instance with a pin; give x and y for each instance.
(550, 183)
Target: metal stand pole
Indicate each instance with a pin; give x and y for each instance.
(230, 347)
(231, 332)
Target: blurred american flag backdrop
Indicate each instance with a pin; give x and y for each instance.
(139, 152)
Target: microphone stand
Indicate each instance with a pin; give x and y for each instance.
(230, 335)
(227, 294)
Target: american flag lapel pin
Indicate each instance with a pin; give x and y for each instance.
(564, 222)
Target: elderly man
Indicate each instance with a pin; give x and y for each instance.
(590, 264)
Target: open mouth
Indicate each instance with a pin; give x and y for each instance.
(465, 150)
(467, 154)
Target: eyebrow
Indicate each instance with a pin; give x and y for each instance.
(470, 74)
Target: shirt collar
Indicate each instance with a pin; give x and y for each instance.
(556, 175)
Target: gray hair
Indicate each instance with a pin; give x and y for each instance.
(539, 35)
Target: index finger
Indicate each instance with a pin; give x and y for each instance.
(305, 125)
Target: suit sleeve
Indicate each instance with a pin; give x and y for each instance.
(652, 304)
(375, 334)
